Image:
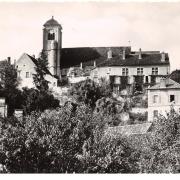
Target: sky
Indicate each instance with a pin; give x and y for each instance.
(145, 25)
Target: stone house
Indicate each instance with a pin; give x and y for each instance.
(25, 66)
(163, 96)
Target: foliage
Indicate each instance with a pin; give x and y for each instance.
(40, 98)
(110, 108)
(41, 70)
(69, 139)
(162, 156)
(9, 88)
(89, 92)
(137, 118)
(139, 101)
(34, 100)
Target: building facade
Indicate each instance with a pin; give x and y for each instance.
(25, 66)
(133, 70)
(163, 96)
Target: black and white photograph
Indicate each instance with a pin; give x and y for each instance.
(89, 87)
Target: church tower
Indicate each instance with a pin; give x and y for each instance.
(52, 44)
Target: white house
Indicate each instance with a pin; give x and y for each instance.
(130, 69)
(161, 97)
(26, 68)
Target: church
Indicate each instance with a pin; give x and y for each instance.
(121, 66)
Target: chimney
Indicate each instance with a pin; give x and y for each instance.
(9, 60)
(81, 66)
(33, 56)
(163, 57)
(15, 63)
(124, 54)
(162, 83)
(109, 54)
(94, 63)
(140, 54)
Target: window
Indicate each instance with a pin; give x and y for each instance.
(155, 71)
(155, 99)
(139, 71)
(171, 98)
(27, 75)
(147, 80)
(155, 113)
(125, 71)
(117, 80)
(51, 36)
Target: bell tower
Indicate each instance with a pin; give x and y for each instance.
(52, 44)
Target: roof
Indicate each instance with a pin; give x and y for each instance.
(166, 84)
(52, 22)
(175, 75)
(35, 62)
(128, 130)
(132, 60)
(87, 55)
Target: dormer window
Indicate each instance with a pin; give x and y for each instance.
(125, 71)
(155, 71)
(139, 71)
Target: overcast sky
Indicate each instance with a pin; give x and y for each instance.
(149, 26)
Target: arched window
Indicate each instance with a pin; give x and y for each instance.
(51, 36)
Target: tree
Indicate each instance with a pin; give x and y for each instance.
(162, 155)
(9, 88)
(40, 98)
(89, 92)
(41, 70)
(66, 140)
(110, 108)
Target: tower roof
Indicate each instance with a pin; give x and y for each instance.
(52, 22)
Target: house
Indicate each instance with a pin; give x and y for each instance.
(132, 70)
(25, 66)
(163, 96)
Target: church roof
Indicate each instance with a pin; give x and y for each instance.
(87, 55)
(52, 22)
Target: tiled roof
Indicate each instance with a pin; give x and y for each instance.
(87, 55)
(132, 60)
(166, 84)
(128, 130)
